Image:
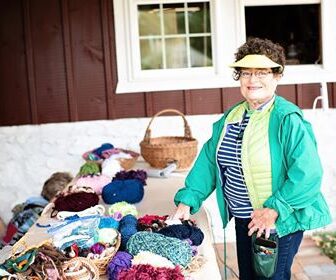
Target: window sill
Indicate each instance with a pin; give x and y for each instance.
(305, 74)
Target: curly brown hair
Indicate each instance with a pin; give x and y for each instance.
(55, 184)
(265, 47)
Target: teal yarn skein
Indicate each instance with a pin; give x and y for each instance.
(175, 250)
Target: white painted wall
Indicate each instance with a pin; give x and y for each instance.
(31, 153)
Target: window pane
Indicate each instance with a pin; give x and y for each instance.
(151, 54)
(149, 20)
(173, 17)
(296, 27)
(176, 53)
(200, 51)
(199, 17)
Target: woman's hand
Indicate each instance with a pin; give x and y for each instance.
(182, 212)
(262, 220)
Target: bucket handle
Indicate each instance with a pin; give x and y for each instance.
(187, 131)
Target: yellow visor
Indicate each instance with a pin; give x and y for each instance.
(255, 61)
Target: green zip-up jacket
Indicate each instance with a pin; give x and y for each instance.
(295, 170)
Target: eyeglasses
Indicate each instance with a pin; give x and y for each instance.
(258, 74)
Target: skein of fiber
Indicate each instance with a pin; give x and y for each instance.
(183, 232)
(121, 260)
(148, 272)
(155, 260)
(89, 168)
(175, 250)
(102, 148)
(131, 191)
(139, 174)
(122, 208)
(127, 228)
(76, 202)
(108, 222)
(96, 182)
(110, 167)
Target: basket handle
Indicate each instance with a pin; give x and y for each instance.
(187, 131)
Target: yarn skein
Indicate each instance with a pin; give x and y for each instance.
(127, 228)
(121, 260)
(155, 260)
(175, 250)
(110, 167)
(122, 209)
(148, 272)
(130, 190)
(141, 175)
(102, 148)
(76, 202)
(183, 232)
(96, 182)
(89, 168)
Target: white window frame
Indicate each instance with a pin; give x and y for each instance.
(227, 33)
(306, 74)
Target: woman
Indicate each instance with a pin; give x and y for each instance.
(263, 163)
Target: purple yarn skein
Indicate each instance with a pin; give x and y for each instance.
(121, 260)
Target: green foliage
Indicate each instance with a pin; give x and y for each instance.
(327, 242)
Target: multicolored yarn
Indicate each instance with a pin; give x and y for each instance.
(140, 175)
(91, 156)
(97, 248)
(122, 208)
(46, 263)
(130, 190)
(107, 153)
(175, 250)
(96, 182)
(102, 148)
(20, 263)
(152, 223)
(183, 232)
(89, 168)
(121, 260)
(148, 272)
(127, 227)
(155, 260)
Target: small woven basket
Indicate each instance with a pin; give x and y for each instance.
(128, 163)
(161, 151)
(80, 268)
(102, 263)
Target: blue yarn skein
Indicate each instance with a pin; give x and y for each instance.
(102, 148)
(127, 227)
(108, 222)
(182, 232)
(130, 190)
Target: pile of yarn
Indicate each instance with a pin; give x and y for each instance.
(154, 249)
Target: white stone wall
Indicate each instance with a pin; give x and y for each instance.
(29, 154)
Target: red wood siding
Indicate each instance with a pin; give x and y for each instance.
(58, 64)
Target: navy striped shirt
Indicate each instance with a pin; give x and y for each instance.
(229, 159)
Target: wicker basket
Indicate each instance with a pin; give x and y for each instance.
(102, 263)
(80, 268)
(160, 151)
(128, 163)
